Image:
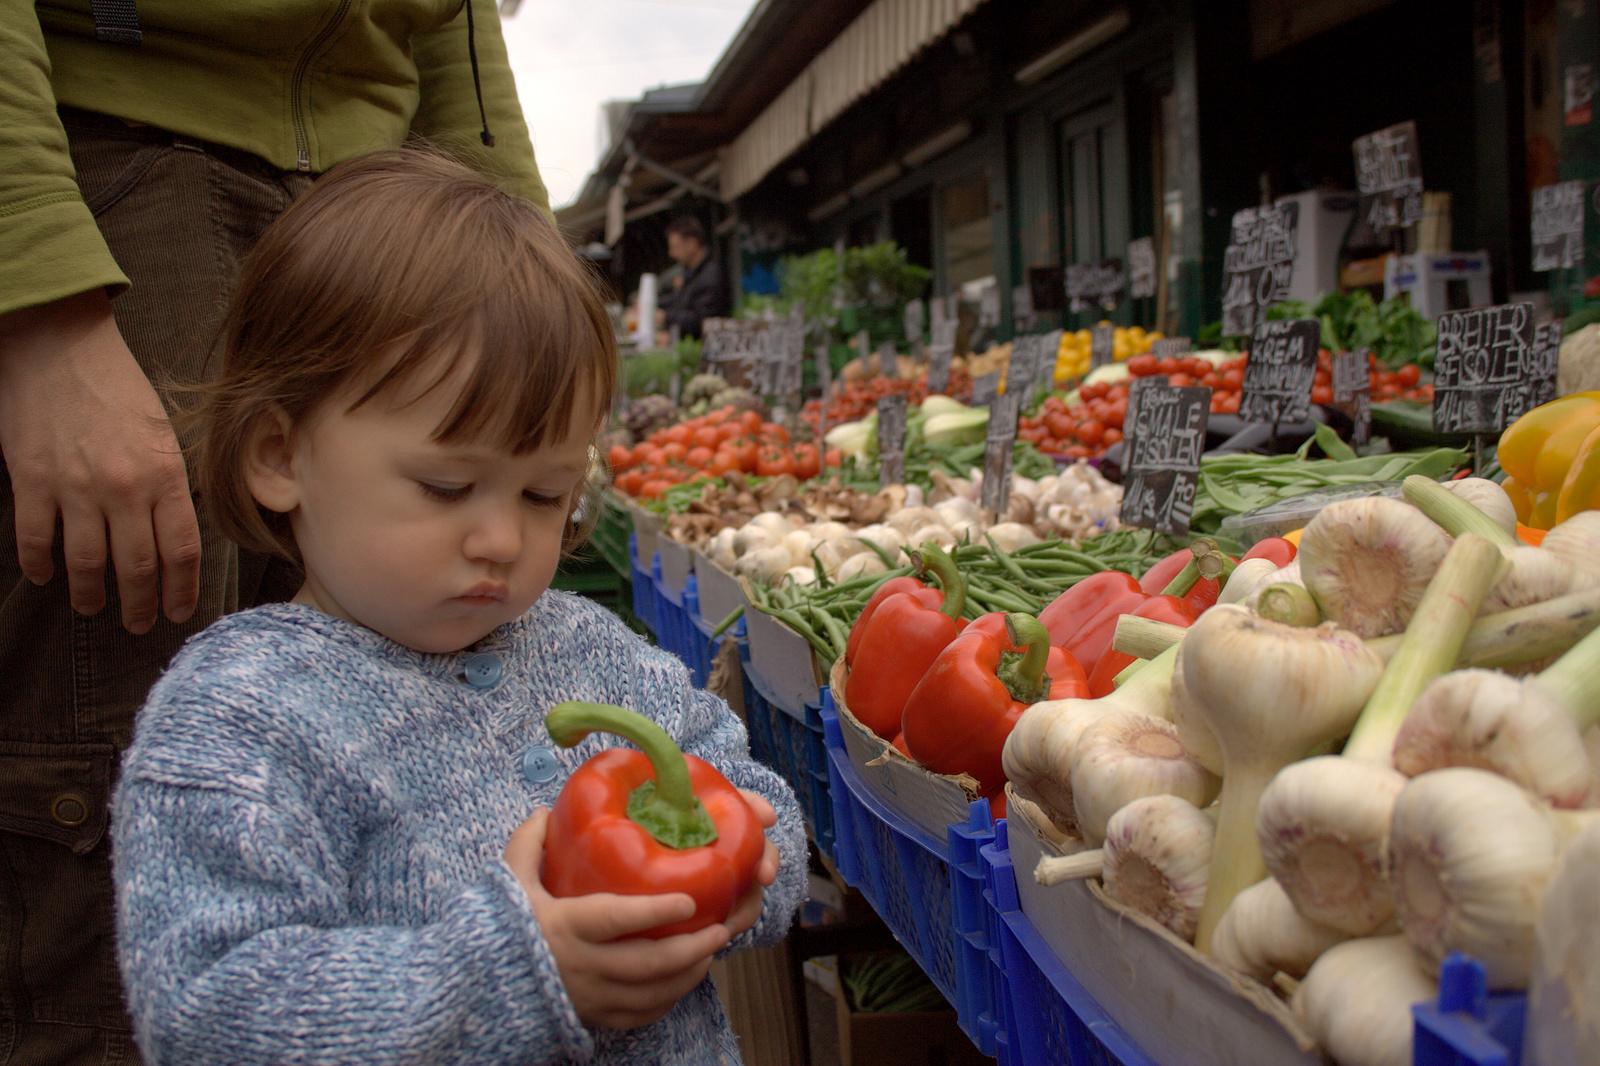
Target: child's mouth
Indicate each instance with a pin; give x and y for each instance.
(485, 593)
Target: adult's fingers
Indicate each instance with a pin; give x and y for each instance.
(83, 546)
(178, 542)
(36, 533)
(137, 565)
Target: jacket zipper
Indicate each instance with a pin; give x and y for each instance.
(297, 86)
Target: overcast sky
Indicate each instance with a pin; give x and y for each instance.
(569, 56)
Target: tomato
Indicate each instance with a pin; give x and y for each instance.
(1168, 365)
(1322, 394)
(631, 482)
(672, 451)
(1233, 379)
(655, 456)
(1118, 412)
(748, 453)
(1408, 376)
(1112, 436)
(1143, 366)
(1059, 423)
(750, 421)
(807, 463)
(1092, 431)
(699, 457)
(704, 437)
(835, 457)
(619, 457)
(678, 434)
(723, 461)
(1095, 391)
(771, 431)
(1196, 367)
(1179, 380)
(774, 461)
(654, 488)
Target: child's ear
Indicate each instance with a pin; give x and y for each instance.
(269, 462)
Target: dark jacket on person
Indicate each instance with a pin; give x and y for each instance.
(703, 294)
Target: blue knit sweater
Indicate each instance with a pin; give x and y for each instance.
(308, 832)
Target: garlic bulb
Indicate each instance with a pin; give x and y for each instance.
(763, 565)
(1368, 561)
(932, 534)
(866, 564)
(1356, 1001)
(1535, 576)
(1193, 732)
(720, 549)
(775, 524)
(1124, 756)
(1469, 854)
(887, 538)
(1038, 753)
(1009, 536)
(1246, 578)
(1243, 671)
(958, 509)
(909, 518)
(1262, 934)
(799, 544)
(831, 554)
(823, 531)
(752, 537)
(798, 575)
(1487, 497)
(1563, 1026)
(1322, 824)
(1577, 540)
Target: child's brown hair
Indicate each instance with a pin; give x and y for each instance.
(390, 262)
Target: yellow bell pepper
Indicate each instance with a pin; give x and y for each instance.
(1541, 451)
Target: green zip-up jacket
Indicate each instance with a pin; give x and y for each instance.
(303, 84)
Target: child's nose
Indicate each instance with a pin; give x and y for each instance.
(496, 537)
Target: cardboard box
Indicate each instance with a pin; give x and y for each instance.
(1178, 1005)
(929, 801)
(646, 528)
(783, 661)
(676, 564)
(719, 590)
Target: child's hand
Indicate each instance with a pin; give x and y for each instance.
(748, 910)
(616, 978)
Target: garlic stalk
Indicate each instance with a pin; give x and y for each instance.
(1155, 859)
(1290, 604)
(1368, 561)
(1270, 693)
(1468, 858)
(1247, 578)
(1456, 514)
(1038, 754)
(1145, 638)
(1357, 999)
(1321, 825)
(1127, 755)
(1530, 731)
(1563, 1026)
(1508, 639)
(1487, 497)
(1263, 934)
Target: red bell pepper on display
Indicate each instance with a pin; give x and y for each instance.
(1170, 609)
(898, 643)
(1083, 619)
(958, 718)
(931, 596)
(642, 823)
(1280, 551)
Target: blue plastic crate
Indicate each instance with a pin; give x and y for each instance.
(928, 892)
(644, 588)
(1044, 1014)
(794, 748)
(1469, 1026)
(677, 612)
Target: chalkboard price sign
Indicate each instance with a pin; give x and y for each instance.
(940, 353)
(892, 439)
(999, 444)
(1490, 366)
(1352, 391)
(1162, 459)
(1023, 317)
(1044, 373)
(888, 360)
(1558, 225)
(913, 319)
(1170, 347)
(1102, 345)
(1141, 268)
(1136, 389)
(1279, 374)
(1099, 283)
(1389, 175)
(1258, 264)
(985, 387)
(1024, 363)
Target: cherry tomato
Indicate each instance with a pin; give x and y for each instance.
(674, 450)
(1168, 365)
(750, 421)
(1322, 394)
(1408, 376)
(1112, 436)
(723, 461)
(1143, 366)
(774, 461)
(835, 457)
(1091, 431)
(699, 457)
(678, 434)
(807, 463)
(620, 457)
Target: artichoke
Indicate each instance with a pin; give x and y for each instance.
(700, 387)
(648, 414)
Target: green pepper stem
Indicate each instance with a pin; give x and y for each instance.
(667, 807)
(1023, 675)
(932, 557)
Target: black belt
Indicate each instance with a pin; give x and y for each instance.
(116, 21)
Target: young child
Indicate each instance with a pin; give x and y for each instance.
(329, 827)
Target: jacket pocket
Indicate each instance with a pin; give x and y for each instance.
(56, 792)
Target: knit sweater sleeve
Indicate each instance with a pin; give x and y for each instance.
(238, 944)
(704, 726)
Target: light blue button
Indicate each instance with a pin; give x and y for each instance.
(482, 670)
(540, 765)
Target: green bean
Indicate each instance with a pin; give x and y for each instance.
(836, 632)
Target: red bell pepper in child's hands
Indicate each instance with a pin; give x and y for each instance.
(958, 719)
(898, 644)
(643, 823)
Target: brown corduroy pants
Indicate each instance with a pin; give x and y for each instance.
(178, 215)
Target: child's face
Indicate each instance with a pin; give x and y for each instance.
(433, 545)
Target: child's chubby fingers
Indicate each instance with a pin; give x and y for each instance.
(761, 806)
(746, 912)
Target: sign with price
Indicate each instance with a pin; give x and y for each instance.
(985, 387)
(1490, 366)
(892, 439)
(1161, 469)
(1170, 347)
(940, 352)
(913, 320)
(736, 350)
(1023, 317)
(999, 444)
(1558, 226)
(1142, 268)
(1102, 345)
(1096, 284)
(1044, 373)
(1352, 391)
(1258, 264)
(1389, 176)
(1279, 374)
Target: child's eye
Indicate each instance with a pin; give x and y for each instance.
(444, 493)
(541, 500)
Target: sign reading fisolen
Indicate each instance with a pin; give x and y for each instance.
(1096, 284)
(999, 443)
(1102, 345)
(985, 387)
(940, 352)
(1280, 371)
(1558, 225)
(1170, 347)
(1258, 264)
(1490, 366)
(785, 357)
(1141, 268)
(1389, 176)
(892, 439)
(1352, 391)
(1161, 466)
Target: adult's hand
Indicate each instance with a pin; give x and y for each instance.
(85, 436)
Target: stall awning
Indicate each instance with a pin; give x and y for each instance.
(880, 41)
